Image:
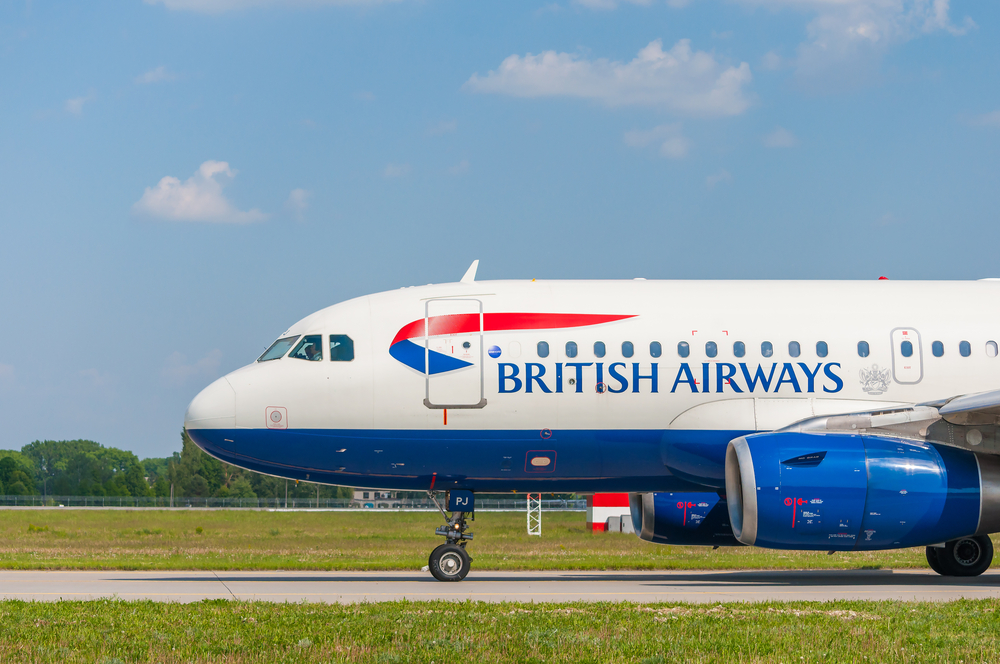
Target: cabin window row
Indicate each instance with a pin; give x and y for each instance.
(766, 349)
(964, 349)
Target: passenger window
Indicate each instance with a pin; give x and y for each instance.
(863, 349)
(766, 349)
(739, 349)
(906, 349)
(277, 349)
(599, 350)
(794, 349)
(822, 350)
(937, 348)
(711, 349)
(543, 349)
(655, 350)
(628, 350)
(965, 349)
(310, 348)
(570, 349)
(341, 348)
(683, 349)
(991, 349)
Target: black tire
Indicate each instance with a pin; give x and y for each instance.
(966, 556)
(932, 560)
(449, 562)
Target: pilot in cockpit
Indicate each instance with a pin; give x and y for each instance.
(309, 349)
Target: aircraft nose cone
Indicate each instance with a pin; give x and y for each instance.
(213, 408)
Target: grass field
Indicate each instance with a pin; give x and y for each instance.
(249, 540)
(441, 632)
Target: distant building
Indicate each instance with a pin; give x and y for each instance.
(376, 499)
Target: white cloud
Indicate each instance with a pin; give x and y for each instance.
(772, 61)
(177, 370)
(460, 168)
(987, 119)
(443, 127)
(396, 170)
(679, 80)
(199, 198)
(780, 138)
(672, 143)
(298, 201)
(722, 176)
(75, 105)
(155, 76)
(220, 6)
(849, 33)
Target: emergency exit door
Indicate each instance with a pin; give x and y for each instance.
(453, 354)
(907, 356)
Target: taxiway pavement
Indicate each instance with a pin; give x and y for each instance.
(347, 587)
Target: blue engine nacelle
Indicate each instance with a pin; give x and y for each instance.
(696, 518)
(855, 492)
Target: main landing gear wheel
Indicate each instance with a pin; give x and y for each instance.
(966, 556)
(932, 560)
(449, 562)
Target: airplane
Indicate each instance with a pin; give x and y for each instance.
(807, 415)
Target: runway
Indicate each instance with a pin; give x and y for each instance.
(349, 587)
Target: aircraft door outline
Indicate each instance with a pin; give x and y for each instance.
(906, 370)
(459, 380)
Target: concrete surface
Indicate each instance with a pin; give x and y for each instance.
(346, 587)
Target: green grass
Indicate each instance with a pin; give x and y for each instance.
(227, 631)
(249, 540)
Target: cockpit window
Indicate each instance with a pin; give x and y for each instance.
(310, 348)
(341, 348)
(277, 349)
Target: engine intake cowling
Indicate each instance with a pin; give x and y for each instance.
(845, 491)
(694, 518)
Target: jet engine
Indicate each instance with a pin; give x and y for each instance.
(697, 518)
(840, 491)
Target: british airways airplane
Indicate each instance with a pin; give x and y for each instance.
(836, 416)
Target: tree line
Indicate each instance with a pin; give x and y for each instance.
(87, 468)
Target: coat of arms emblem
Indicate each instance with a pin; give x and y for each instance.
(874, 381)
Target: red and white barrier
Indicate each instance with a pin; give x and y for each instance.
(600, 506)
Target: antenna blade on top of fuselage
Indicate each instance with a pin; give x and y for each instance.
(470, 274)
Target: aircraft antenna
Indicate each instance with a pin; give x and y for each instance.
(470, 274)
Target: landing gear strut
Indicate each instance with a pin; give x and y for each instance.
(966, 556)
(450, 561)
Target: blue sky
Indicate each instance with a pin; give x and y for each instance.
(180, 180)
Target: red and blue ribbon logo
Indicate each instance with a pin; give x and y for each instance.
(404, 350)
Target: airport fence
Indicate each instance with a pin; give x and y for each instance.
(483, 503)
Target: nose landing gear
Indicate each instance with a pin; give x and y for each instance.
(450, 561)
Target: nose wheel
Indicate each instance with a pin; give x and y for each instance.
(966, 556)
(450, 561)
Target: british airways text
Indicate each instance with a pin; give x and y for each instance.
(636, 377)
